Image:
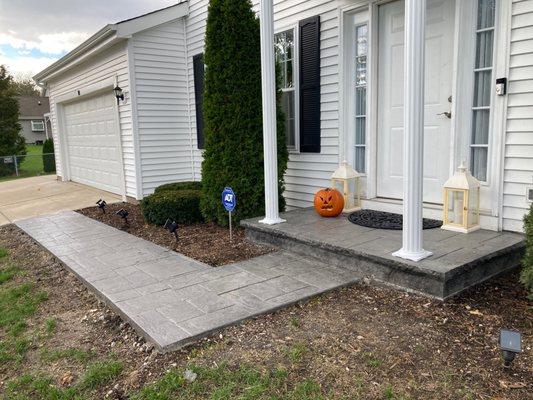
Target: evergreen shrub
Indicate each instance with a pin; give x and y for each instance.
(526, 276)
(12, 143)
(49, 162)
(232, 112)
(182, 205)
(179, 186)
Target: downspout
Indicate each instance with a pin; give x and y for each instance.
(191, 144)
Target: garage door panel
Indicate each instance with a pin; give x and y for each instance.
(92, 139)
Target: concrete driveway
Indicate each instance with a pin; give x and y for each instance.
(31, 197)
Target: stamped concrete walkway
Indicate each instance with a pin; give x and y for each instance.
(171, 299)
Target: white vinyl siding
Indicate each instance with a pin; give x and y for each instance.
(162, 109)
(306, 172)
(195, 33)
(113, 62)
(518, 167)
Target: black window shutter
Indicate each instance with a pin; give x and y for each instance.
(199, 72)
(309, 30)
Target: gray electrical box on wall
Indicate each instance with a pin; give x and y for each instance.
(501, 86)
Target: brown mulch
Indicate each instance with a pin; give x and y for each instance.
(205, 242)
(355, 342)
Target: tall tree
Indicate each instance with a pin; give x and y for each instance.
(233, 115)
(24, 85)
(11, 141)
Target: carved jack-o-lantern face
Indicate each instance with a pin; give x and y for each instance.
(328, 202)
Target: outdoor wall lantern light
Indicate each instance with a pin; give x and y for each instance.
(118, 94)
(101, 205)
(510, 345)
(123, 214)
(172, 227)
(346, 180)
(461, 202)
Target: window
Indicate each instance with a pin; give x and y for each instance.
(37, 126)
(479, 143)
(284, 50)
(199, 78)
(361, 36)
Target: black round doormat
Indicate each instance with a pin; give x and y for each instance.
(385, 220)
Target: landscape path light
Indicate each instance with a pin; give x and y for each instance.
(510, 345)
(122, 213)
(101, 205)
(172, 227)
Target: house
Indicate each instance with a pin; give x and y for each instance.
(343, 94)
(34, 118)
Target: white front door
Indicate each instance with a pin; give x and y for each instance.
(92, 140)
(438, 89)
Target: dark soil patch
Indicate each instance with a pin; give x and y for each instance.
(206, 242)
(364, 342)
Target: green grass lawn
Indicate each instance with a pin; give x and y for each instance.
(32, 164)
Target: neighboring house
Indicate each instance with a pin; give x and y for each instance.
(343, 97)
(34, 118)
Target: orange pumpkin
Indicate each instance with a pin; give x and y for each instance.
(329, 202)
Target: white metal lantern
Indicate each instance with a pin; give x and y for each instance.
(346, 180)
(461, 202)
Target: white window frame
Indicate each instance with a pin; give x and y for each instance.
(490, 107)
(34, 124)
(352, 16)
(296, 86)
(354, 88)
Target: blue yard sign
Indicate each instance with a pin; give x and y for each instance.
(229, 201)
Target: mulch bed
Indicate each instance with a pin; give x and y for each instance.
(207, 242)
(355, 342)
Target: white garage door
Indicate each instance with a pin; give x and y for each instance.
(92, 141)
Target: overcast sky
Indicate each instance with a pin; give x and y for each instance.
(35, 33)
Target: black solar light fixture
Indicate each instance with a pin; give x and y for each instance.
(101, 205)
(123, 214)
(510, 345)
(172, 227)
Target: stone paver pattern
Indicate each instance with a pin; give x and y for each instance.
(450, 249)
(170, 299)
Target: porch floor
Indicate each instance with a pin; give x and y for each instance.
(458, 261)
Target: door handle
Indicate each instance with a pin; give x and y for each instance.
(447, 114)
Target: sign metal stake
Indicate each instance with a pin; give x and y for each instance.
(230, 228)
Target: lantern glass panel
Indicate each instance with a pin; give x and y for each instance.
(338, 184)
(456, 201)
(351, 200)
(473, 212)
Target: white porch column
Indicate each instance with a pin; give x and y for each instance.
(269, 113)
(413, 175)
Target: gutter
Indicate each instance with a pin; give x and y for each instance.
(105, 33)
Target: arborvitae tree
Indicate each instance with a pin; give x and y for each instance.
(49, 162)
(11, 141)
(233, 115)
(527, 272)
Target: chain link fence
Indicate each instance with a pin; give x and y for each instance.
(24, 166)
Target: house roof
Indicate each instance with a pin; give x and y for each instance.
(110, 35)
(33, 107)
